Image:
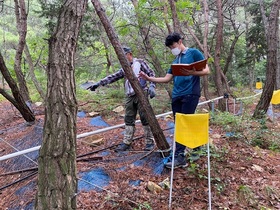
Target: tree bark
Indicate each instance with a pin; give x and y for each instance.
(17, 99)
(165, 15)
(176, 22)
(217, 55)
(157, 131)
(21, 17)
(205, 81)
(57, 178)
(273, 25)
(250, 57)
(264, 19)
(277, 82)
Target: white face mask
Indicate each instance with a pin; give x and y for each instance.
(176, 51)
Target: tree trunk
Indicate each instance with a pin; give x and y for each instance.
(57, 178)
(17, 99)
(157, 131)
(21, 17)
(176, 22)
(250, 62)
(264, 19)
(165, 15)
(272, 44)
(277, 83)
(205, 50)
(217, 55)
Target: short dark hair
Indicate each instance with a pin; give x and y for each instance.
(127, 50)
(171, 38)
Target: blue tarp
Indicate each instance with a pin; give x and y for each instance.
(98, 121)
(96, 179)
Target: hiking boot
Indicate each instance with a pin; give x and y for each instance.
(128, 134)
(149, 137)
(122, 147)
(149, 147)
(179, 162)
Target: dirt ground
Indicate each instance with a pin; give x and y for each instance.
(242, 176)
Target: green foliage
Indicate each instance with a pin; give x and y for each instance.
(116, 94)
(90, 29)
(256, 36)
(92, 63)
(246, 195)
(240, 92)
(219, 185)
(103, 100)
(2, 98)
(265, 208)
(123, 30)
(243, 99)
(260, 69)
(149, 12)
(218, 154)
(38, 46)
(228, 121)
(186, 9)
(238, 70)
(272, 194)
(193, 169)
(275, 145)
(260, 135)
(256, 132)
(50, 11)
(143, 206)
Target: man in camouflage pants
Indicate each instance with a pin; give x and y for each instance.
(132, 104)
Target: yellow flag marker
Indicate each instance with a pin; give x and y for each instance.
(191, 130)
(258, 85)
(276, 97)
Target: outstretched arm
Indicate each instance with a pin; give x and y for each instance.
(108, 80)
(165, 79)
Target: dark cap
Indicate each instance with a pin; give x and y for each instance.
(127, 50)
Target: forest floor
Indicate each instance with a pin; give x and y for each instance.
(242, 176)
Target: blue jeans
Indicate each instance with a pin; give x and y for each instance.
(186, 105)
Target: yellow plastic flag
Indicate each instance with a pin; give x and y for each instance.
(191, 130)
(276, 97)
(258, 85)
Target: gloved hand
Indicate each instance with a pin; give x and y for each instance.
(94, 86)
(152, 91)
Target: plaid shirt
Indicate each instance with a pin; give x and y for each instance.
(137, 66)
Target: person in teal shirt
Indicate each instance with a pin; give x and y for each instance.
(186, 89)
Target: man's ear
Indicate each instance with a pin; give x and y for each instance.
(180, 41)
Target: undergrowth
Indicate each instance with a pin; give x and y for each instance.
(256, 132)
(105, 99)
